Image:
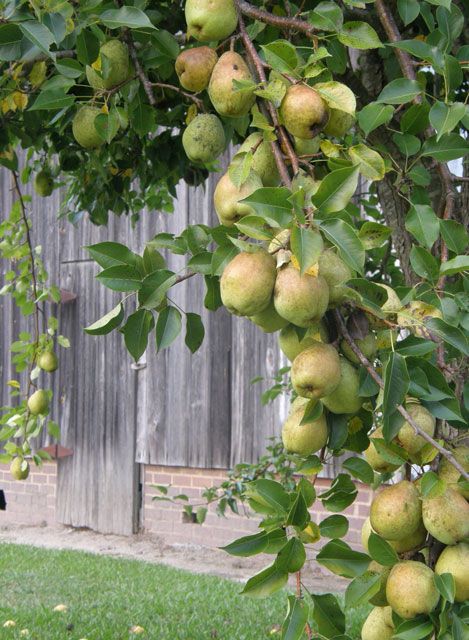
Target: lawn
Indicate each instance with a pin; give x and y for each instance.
(105, 597)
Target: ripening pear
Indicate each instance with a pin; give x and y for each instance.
(345, 398)
(118, 61)
(194, 67)
(204, 138)
(48, 361)
(247, 283)
(339, 123)
(291, 345)
(410, 543)
(209, 20)
(455, 560)
(303, 439)
(315, 372)
(227, 196)
(226, 100)
(19, 469)
(374, 459)
(43, 184)
(378, 625)
(301, 299)
(407, 438)
(367, 346)
(83, 128)
(450, 474)
(38, 402)
(303, 112)
(269, 320)
(411, 589)
(335, 272)
(446, 517)
(379, 599)
(263, 160)
(396, 512)
(306, 146)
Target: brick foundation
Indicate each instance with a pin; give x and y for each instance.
(31, 501)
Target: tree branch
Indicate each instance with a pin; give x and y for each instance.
(189, 96)
(139, 69)
(295, 24)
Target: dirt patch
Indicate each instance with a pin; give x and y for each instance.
(152, 548)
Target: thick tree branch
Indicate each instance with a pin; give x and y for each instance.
(295, 24)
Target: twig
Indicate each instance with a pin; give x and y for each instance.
(147, 86)
(185, 277)
(171, 87)
(295, 24)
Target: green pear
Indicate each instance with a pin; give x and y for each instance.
(269, 320)
(118, 61)
(378, 625)
(306, 146)
(411, 590)
(38, 402)
(379, 599)
(455, 560)
(19, 469)
(291, 345)
(303, 439)
(83, 128)
(450, 474)
(227, 196)
(339, 123)
(446, 517)
(407, 438)
(247, 283)
(209, 20)
(396, 512)
(48, 361)
(315, 372)
(385, 338)
(345, 398)
(335, 272)
(194, 67)
(204, 138)
(301, 299)
(374, 459)
(263, 160)
(415, 541)
(303, 112)
(43, 184)
(226, 100)
(366, 345)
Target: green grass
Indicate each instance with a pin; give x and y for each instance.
(105, 597)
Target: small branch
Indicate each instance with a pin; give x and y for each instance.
(189, 96)
(147, 86)
(294, 24)
(459, 178)
(185, 277)
(389, 24)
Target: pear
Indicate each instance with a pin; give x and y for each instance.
(339, 123)
(303, 439)
(410, 543)
(335, 272)
(19, 469)
(345, 398)
(83, 128)
(378, 625)
(450, 474)
(301, 299)
(407, 437)
(263, 161)
(48, 361)
(43, 184)
(194, 67)
(247, 283)
(446, 517)
(291, 345)
(226, 100)
(38, 402)
(385, 338)
(209, 20)
(373, 457)
(396, 512)
(315, 372)
(379, 599)
(303, 112)
(117, 56)
(306, 146)
(411, 589)
(367, 346)
(204, 138)
(269, 320)
(227, 196)
(455, 560)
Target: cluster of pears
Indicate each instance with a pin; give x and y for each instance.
(403, 517)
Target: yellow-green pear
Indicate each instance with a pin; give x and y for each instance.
(374, 459)
(396, 512)
(335, 272)
(263, 160)
(315, 372)
(378, 625)
(118, 61)
(450, 474)
(345, 398)
(367, 346)
(446, 517)
(209, 20)
(43, 184)
(306, 146)
(291, 345)
(194, 67)
(269, 320)
(83, 128)
(339, 123)
(247, 283)
(411, 590)
(407, 438)
(204, 138)
(303, 439)
(227, 196)
(303, 112)
(19, 469)
(455, 560)
(410, 543)
(379, 599)
(38, 402)
(48, 361)
(301, 299)
(223, 95)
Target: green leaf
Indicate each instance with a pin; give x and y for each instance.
(110, 254)
(69, 68)
(336, 190)
(424, 264)
(370, 163)
(52, 100)
(362, 588)
(292, 556)
(423, 224)
(335, 526)
(342, 560)
(407, 144)
(326, 16)
(312, 412)
(39, 35)
(360, 469)
(272, 204)
(373, 235)
(390, 451)
(281, 55)
(154, 288)
(444, 117)
(415, 629)
(415, 118)
(212, 300)
(381, 551)
(455, 265)
(373, 115)
(129, 17)
(328, 615)
(10, 42)
(345, 238)
(399, 91)
(120, 278)
(455, 235)
(298, 515)
(431, 485)
(449, 147)
(87, 47)
(270, 493)
(136, 331)
(307, 490)
(337, 96)
(452, 335)
(408, 10)
(396, 385)
(266, 582)
(306, 245)
(107, 323)
(445, 585)
(195, 331)
(107, 125)
(359, 35)
(248, 545)
(166, 44)
(296, 619)
(168, 327)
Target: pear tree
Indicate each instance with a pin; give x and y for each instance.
(342, 228)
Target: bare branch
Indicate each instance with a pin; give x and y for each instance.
(294, 24)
